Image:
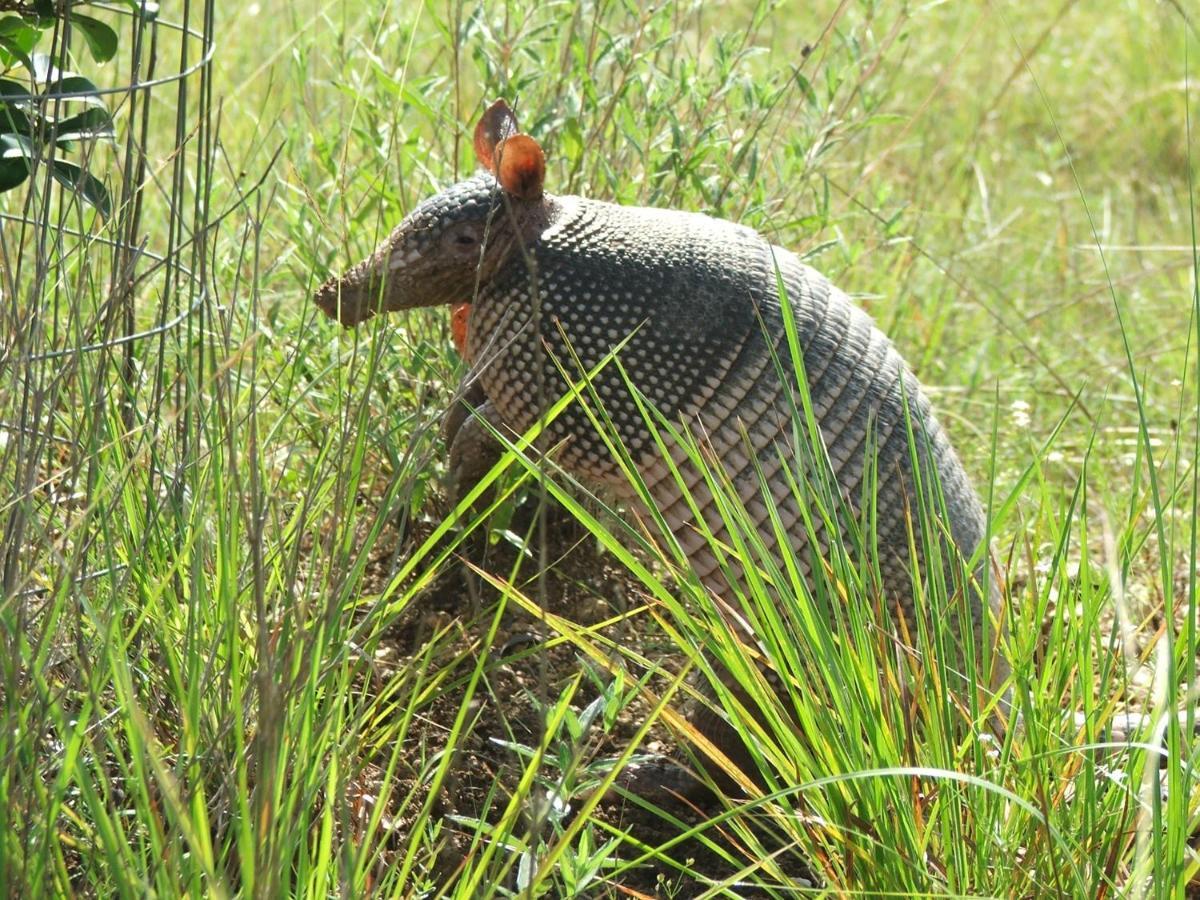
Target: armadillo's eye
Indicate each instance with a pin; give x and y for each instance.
(463, 238)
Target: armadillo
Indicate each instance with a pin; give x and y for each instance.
(696, 302)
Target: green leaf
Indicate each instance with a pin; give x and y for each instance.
(58, 84)
(13, 119)
(88, 125)
(11, 51)
(82, 183)
(13, 172)
(76, 84)
(806, 88)
(14, 146)
(10, 25)
(10, 88)
(20, 32)
(101, 39)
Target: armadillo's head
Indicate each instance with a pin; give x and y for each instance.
(456, 240)
(440, 253)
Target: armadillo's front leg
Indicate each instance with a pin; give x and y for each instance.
(473, 447)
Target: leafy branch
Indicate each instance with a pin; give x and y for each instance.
(49, 110)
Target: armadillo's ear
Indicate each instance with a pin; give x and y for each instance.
(515, 159)
(496, 124)
(522, 166)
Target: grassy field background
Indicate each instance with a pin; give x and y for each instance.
(214, 501)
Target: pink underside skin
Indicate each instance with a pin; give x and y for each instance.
(458, 326)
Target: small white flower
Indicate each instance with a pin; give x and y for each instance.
(1020, 414)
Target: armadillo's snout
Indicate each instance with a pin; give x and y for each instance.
(351, 299)
(382, 281)
(433, 257)
(389, 279)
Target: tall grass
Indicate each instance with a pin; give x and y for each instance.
(222, 519)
